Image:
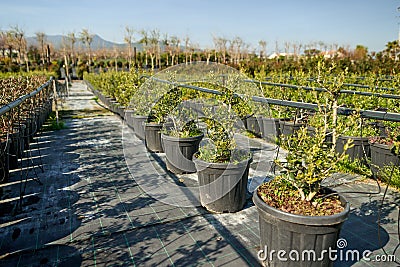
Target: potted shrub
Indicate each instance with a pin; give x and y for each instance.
(295, 212)
(289, 126)
(270, 130)
(319, 120)
(139, 115)
(222, 167)
(157, 117)
(180, 143)
(383, 148)
(352, 127)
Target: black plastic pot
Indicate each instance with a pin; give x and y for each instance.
(14, 150)
(21, 129)
(289, 232)
(254, 125)
(270, 129)
(121, 111)
(382, 156)
(289, 127)
(129, 113)
(29, 132)
(152, 133)
(138, 125)
(223, 186)
(4, 163)
(243, 119)
(113, 106)
(360, 149)
(179, 152)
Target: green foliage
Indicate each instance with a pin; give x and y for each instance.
(189, 129)
(309, 161)
(354, 125)
(52, 124)
(165, 105)
(390, 175)
(353, 167)
(119, 85)
(185, 123)
(223, 144)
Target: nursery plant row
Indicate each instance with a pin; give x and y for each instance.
(192, 113)
(25, 105)
(372, 139)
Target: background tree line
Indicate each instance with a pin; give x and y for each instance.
(155, 50)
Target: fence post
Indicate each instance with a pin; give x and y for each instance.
(55, 99)
(67, 84)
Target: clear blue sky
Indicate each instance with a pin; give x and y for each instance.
(371, 23)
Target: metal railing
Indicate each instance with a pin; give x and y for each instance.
(321, 89)
(370, 114)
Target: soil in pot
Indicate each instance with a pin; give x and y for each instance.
(280, 230)
(179, 153)
(223, 186)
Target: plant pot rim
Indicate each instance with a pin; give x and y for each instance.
(177, 139)
(270, 118)
(303, 219)
(138, 116)
(226, 165)
(355, 138)
(292, 122)
(377, 144)
(153, 124)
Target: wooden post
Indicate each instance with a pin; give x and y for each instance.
(134, 56)
(66, 73)
(55, 99)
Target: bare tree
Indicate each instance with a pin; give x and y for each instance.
(263, 49)
(235, 49)
(276, 47)
(72, 40)
(41, 39)
(20, 42)
(145, 44)
(245, 52)
(287, 46)
(220, 46)
(128, 39)
(192, 49)
(223, 42)
(175, 49)
(3, 43)
(154, 46)
(87, 38)
(167, 48)
(208, 52)
(295, 47)
(187, 44)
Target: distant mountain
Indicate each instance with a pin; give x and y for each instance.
(97, 43)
